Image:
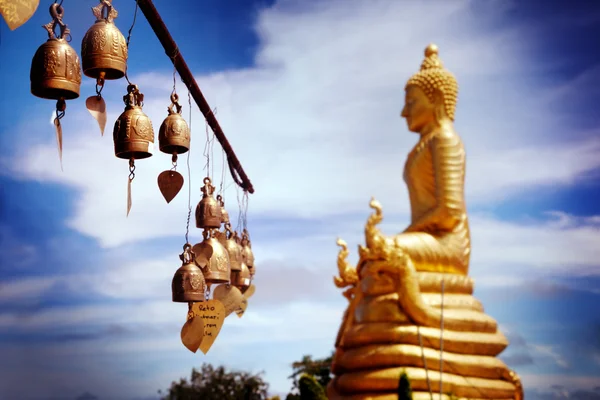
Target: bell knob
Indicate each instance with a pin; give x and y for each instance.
(188, 284)
(55, 70)
(174, 133)
(213, 259)
(103, 48)
(208, 211)
(133, 133)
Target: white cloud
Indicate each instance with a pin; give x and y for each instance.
(322, 105)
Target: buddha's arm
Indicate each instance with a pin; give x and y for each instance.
(447, 156)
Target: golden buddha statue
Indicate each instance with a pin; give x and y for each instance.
(411, 301)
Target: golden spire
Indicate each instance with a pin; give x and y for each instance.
(433, 76)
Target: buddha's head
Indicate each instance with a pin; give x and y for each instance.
(431, 94)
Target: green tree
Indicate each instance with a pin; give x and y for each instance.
(320, 369)
(310, 388)
(404, 390)
(218, 384)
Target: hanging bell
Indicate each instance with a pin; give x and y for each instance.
(133, 133)
(55, 70)
(224, 213)
(247, 252)
(174, 134)
(208, 210)
(240, 274)
(103, 48)
(212, 258)
(188, 283)
(234, 250)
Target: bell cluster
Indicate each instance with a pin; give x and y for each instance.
(222, 258)
(56, 74)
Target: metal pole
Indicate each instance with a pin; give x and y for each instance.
(163, 35)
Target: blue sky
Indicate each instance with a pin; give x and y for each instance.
(314, 88)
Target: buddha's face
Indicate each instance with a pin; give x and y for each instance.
(418, 110)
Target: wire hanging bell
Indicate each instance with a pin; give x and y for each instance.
(133, 133)
(103, 48)
(174, 133)
(224, 213)
(247, 251)
(234, 250)
(55, 70)
(208, 210)
(212, 258)
(188, 282)
(240, 274)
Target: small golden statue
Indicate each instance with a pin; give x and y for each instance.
(411, 301)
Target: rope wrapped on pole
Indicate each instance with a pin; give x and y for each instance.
(163, 35)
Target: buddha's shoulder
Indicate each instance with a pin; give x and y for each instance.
(447, 137)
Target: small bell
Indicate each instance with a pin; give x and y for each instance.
(240, 278)
(174, 134)
(212, 258)
(188, 284)
(224, 213)
(133, 133)
(247, 252)
(228, 240)
(103, 48)
(208, 210)
(55, 70)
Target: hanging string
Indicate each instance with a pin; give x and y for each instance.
(245, 205)
(212, 146)
(222, 173)
(129, 38)
(189, 216)
(208, 149)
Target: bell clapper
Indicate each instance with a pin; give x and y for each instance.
(129, 180)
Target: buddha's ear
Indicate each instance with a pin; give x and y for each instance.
(439, 105)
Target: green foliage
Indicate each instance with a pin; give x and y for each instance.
(310, 389)
(404, 389)
(218, 384)
(320, 369)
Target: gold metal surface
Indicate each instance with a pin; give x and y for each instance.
(174, 133)
(411, 305)
(212, 313)
(103, 48)
(192, 333)
(55, 70)
(169, 183)
(188, 282)
(213, 258)
(208, 210)
(17, 12)
(247, 253)
(133, 133)
(230, 296)
(234, 249)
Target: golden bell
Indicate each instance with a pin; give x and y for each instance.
(247, 252)
(103, 48)
(55, 70)
(212, 258)
(133, 133)
(174, 134)
(188, 282)
(224, 213)
(241, 279)
(229, 240)
(208, 210)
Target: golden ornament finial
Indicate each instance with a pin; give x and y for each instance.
(433, 76)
